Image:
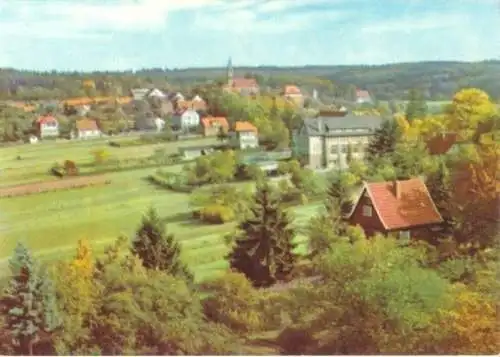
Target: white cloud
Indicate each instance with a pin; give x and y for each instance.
(267, 16)
(56, 19)
(68, 19)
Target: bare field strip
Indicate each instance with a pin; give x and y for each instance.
(62, 184)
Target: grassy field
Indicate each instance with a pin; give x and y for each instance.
(433, 106)
(37, 159)
(50, 224)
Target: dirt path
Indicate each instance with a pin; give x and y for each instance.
(62, 184)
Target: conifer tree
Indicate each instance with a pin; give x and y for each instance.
(416, 107)
(439, 185)
(384, 140)
(349, 155)
(263, 250)
(157, 249)
(28, 302)
(338, 197)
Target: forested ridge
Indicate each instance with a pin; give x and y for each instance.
(437, 80)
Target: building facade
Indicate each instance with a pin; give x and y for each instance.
(187, 120)
(328, 140)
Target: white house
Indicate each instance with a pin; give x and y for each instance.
(186, 120)
(244, 136)
(156, 93)
(47, 126)
(87, 129)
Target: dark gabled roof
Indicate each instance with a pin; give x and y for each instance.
(342, 125)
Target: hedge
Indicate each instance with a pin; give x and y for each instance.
(170, 182)
(216, 214)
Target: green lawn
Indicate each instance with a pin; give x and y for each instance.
(50, 224)
(37, 159)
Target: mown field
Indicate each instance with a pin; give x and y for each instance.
(51, 223)
(30, 163)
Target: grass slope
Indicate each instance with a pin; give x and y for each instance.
(51, 223)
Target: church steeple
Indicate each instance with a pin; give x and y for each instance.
(230, 72)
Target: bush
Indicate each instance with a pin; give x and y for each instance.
(216, 214)
(170, 181)
(70, 168)
(295, 341)
(234, 303)
(57, 171)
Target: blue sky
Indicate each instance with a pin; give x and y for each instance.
(107, 35)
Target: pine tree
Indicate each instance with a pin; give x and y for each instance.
(349, 155)
(222, 134)
(416, 107)
(439, 186)
(157, 249)
(264, 249)
(28, 302)
(384, 140)
(338, 197)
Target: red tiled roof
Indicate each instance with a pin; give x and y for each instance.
(46, 119)
(440, 144)
(291, 89)
(244, 83)
(362, 93)
(413, 206)
(244, 126)
(210, 121)
(86, 124)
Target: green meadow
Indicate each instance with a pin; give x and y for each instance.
(51, 223)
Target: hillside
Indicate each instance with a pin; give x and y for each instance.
(438, 80)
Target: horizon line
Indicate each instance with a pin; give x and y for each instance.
(183, 69)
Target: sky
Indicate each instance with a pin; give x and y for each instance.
(120, 35)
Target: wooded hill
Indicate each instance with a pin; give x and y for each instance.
(437, 80)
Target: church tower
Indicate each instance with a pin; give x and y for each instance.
(230, 72)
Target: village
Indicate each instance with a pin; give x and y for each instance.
(201, 183)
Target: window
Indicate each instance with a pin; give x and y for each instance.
(404, 235)
(343, 149)
(334, 149)
(367, 211)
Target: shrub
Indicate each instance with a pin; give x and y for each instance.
(170, 181)
(70, 168)
(57, 171)
(216, 214)
(234, 303)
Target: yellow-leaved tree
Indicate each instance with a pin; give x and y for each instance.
(469, 107)
(471, 325)
(77, 295)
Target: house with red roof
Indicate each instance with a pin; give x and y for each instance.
(212, 125)
(47, 126)
(441, 143)
(363, 96)
(244, 135)
(293, 94)
(404, 207)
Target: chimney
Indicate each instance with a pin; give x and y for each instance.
(396, 185)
